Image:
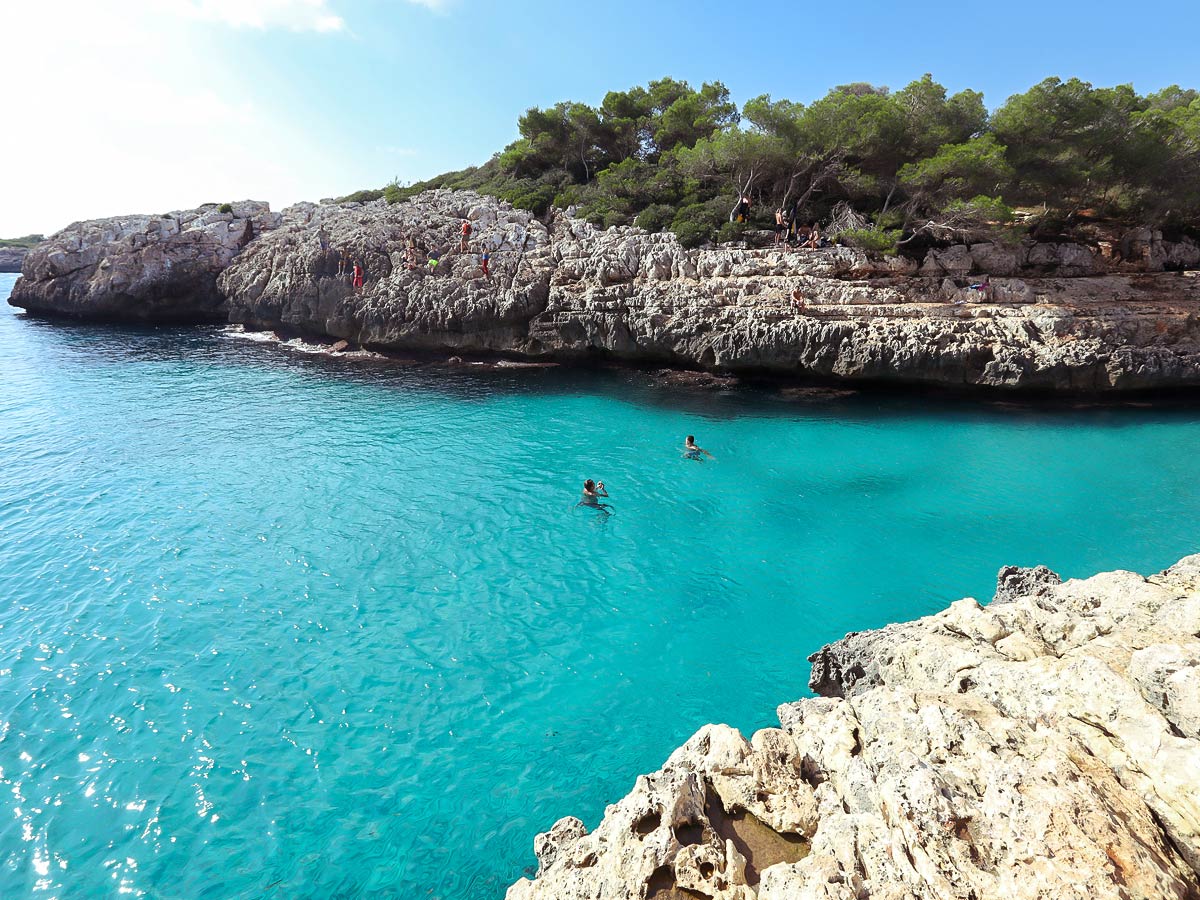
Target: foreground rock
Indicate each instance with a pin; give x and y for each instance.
(1046, 745)
(1039, 316)
(140, 268)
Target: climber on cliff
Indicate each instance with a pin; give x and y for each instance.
(358, 275)
(484, 258)
(466, 235)
(741, 212)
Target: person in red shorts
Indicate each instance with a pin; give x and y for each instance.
(358, 275)
(484, 258)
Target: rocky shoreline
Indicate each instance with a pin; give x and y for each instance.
(1044, 745)
(1042, 317)
(11, 259)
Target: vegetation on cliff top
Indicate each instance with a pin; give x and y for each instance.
(917, 163)
(28, 241)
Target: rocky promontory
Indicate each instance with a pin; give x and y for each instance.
(1045, 745)
(140, 268)
(1049, 316)
(11, 258)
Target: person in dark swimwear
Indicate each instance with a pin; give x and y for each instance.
(592, 492)
(780, 226)
(691, 451)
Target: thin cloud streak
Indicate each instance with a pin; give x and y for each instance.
(294, 15)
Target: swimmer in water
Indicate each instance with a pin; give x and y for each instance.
(592, 492)
(691, 451)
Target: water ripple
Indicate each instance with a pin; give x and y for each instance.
(274, 624)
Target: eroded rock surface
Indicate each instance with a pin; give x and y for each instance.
(1034, 316)
(1045, 745)
(570, 291)
(140, 268)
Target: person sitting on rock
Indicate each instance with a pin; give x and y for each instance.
(358, 275)
(803, 235)
(691, 451)
(814, 237)
(982, 288)
(466, 235)
(435, 257)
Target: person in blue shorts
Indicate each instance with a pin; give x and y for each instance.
(691, 451)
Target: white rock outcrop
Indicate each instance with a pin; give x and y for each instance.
(1042, 746)
(141, 268)
(1034, 316)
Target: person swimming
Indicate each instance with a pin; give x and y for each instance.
(691, 451)
(592, 492)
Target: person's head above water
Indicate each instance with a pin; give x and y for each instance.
(589, 485)
(691, 439)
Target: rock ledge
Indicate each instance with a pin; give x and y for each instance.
(1045, 745)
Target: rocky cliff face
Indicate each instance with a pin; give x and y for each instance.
(1055, 317)
(1045, 745)
(140, 268)
(11, 258)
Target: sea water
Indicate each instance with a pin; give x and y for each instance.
(279, 625)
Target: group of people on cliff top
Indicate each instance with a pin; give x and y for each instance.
(420, 257)
(594, 491)
(789, 230)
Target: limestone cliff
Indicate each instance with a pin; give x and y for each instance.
(11, 258)
(1044, 745)
(1044, 316)
(140, 268)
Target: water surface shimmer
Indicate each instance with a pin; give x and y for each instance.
(274, 625)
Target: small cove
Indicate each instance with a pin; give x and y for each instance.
(276, 625)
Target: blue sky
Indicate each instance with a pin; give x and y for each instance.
(150, 105)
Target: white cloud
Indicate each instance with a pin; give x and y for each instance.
(140, 113)
(297, 15)
(435, 5)
(392, 150)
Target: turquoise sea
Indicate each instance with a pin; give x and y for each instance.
(279, 625)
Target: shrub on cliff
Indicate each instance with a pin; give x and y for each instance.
(28, 241)
(872, 239)
(362, 196)
(904, 158)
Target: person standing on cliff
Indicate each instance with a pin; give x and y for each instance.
(466, 235)
(358, 275)
(484, 258)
